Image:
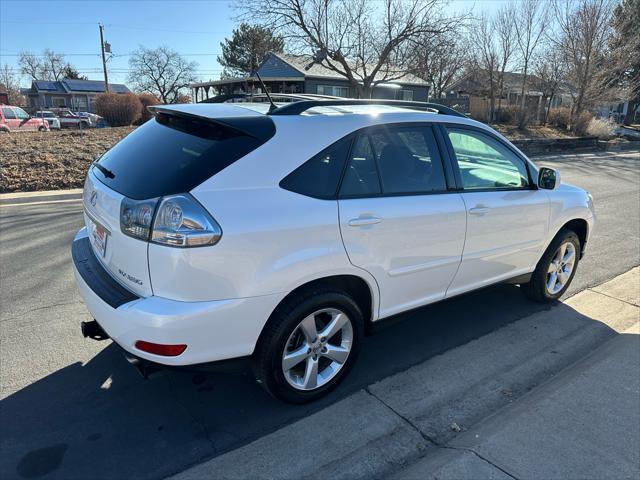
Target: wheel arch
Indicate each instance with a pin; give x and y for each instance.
(581, 227)
(355, 286)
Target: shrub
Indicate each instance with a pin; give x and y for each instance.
(582, 123)
(559, 117)
(601, 128)
(507, 114)
(118, 109)
(146, 99)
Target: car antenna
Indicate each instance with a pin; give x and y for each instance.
(273, 105)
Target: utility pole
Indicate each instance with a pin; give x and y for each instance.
(104, 60)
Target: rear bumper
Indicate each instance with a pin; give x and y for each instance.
(212, 331)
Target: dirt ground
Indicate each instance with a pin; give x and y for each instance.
(52, 160)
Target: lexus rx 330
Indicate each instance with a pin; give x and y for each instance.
(225, 231)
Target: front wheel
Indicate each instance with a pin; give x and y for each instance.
(308, 346)
(556, 268)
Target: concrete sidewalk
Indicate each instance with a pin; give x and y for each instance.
(554, 395)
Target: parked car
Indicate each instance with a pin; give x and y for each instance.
(50, 117)
(92, 118)
(15, 119)
(68, 119)
(278, 235)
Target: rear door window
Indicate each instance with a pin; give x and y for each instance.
(174, 154)
(361, 176)
(394, 161)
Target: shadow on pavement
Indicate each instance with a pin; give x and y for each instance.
(102, 420)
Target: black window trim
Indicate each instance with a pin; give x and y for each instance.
(456, 168)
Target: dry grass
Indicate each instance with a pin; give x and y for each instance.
(51, 160)
(532, 132)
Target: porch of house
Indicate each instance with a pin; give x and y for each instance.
(206, 90)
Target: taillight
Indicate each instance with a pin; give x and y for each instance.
(136, 217)
(160, 349)
(182, 222)
(175, 221)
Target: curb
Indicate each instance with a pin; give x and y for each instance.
(44, 196)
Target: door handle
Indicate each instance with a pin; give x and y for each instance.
(479, 210)
(363, 221)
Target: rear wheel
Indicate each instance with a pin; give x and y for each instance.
(42, 129)
(308, 346)
(556, 268)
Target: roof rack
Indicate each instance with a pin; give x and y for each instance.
(296, 108)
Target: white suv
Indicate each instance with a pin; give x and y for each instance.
(226, 231)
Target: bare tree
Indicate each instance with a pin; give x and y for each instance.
(530, 22)
(440, 60)
(550, 68)
(486, 59)
(366, 41)
(53, 63)
(48, 66)
(505, 37)
(623, 58)
(11, 83)
(161, 72)
(30, 65)
(583, 29)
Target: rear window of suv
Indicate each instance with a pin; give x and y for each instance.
(173, 154)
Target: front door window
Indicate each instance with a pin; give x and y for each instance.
(485, 163)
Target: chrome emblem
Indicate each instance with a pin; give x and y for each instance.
(94, 197)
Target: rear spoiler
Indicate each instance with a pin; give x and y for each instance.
(260, 127)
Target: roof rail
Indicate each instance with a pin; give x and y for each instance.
(296, 108)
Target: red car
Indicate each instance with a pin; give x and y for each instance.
(15, 119)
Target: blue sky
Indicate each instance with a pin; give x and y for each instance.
(194, 28)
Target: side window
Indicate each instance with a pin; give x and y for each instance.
(21, 114)
(394, 161)
(485, 163)
(319, 176)
(8, 113)
(409, 161)
(361, 176)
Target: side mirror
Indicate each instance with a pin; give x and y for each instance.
(548, 178)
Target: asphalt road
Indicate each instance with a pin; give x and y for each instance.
(74, 408)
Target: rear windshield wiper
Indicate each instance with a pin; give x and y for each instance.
(105, 171)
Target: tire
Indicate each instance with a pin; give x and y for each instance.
(538, 288)
(285, 332)
(83, 125)
(42, 129)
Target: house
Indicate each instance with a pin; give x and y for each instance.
(285, 73)
(619, 111)
(471, 93)
(77, 95)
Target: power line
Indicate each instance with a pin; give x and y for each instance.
(14, 54)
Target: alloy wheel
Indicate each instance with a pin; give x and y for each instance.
(561, 268)
(317, 349)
